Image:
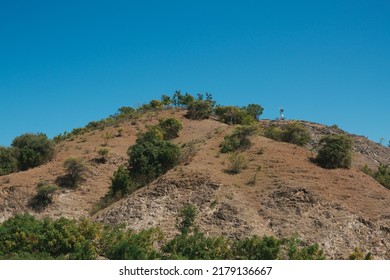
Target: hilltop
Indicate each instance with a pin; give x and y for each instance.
(281, 192)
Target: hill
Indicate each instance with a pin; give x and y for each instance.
(280, 192)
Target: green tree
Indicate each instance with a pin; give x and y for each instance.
(151, 156)
(186, 100)
(234, 115)
(199, 110)
(120, 182)
(254, 110)
(156, 105)
(166, 100)
(170, 128)
(44, 194)
(8, 161)
(177, 98)
(33, 150)
(335, 151)
(75, 169)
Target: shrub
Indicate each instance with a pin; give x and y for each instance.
(170, 128)
(235, 115)
(186, 219)
(103, 153)
(151, 156)
(381, 175)
(296, 133)
(106, 137)
(335, 151)
(8, 161)
(33, 150)
(136, 246)
(273, 132)
(297, 251)
(120, 182)
(75, 169)
(237, 162)
(256, 248)
(44, 195)
(239, 139)
(254, 110)
(199, 110)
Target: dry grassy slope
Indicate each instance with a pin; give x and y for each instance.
(339, 209)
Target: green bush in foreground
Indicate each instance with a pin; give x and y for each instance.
(24, 237)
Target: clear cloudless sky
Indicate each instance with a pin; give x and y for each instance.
(65, 63)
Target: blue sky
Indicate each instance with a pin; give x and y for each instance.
(65, 63)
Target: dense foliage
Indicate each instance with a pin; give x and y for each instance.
(32, 150)
(120, 182)
(335, 151)
(293, 132)
(199, 110)
(381, 175)
(170, 128)
(8, 161)
(239, 138)
(24, 237)
(151, 156)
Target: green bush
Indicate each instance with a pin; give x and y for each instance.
(273, 132)
(296, 133)
(186, 220)
(76, 170)
(239, 139)
(199, 110)
(151, 157)
(335, 151)
(170, 128)
(254, 110)
(297, 251)
(136, 246)
(235, 115)
(44, 195)
(24, 237)
(256, 248)
(8, 161)
(120, 182)
(381, 175)
(237, 162)
(33, 150)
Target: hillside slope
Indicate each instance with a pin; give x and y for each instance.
(281, 192)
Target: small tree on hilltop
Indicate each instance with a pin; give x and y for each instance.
(199, 110)
(335, 151)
